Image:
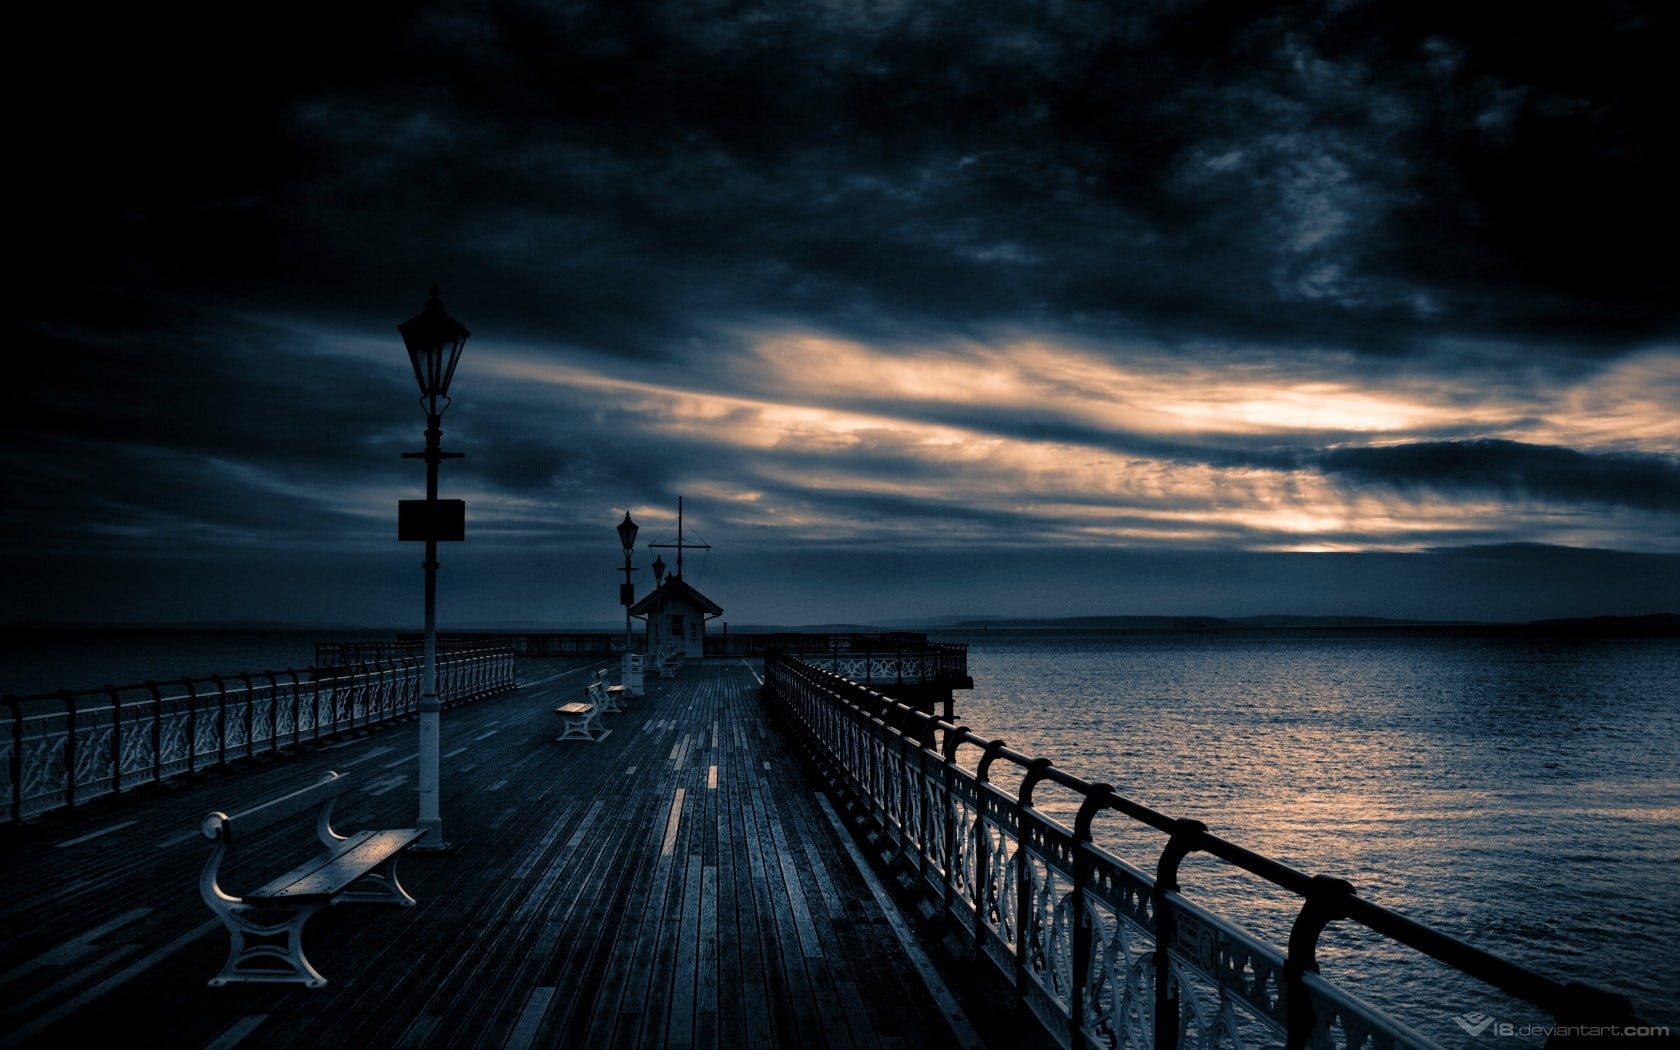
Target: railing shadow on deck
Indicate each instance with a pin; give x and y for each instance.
(62, 750)
(1078, 932)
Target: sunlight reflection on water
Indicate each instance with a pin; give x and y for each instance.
(1519, 794)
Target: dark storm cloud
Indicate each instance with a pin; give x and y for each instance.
(1367, 174)
(223, 217)
(1515, 470)
(201, 428)
(188, 385)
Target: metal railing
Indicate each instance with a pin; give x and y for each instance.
(64, 749)
(1105, 955)
(883, 662)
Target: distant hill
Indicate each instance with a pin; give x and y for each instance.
(1650, 620)
(1660, 623)
(1100, 622)
(809, 628)
(1180, 623)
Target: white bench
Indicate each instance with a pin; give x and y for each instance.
(582, 721)
(606, 697)
(667, 661)
(266, 925)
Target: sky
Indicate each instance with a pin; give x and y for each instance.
(923, 309)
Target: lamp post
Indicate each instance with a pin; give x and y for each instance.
(627, 597)
(653, 620)
(434, 341)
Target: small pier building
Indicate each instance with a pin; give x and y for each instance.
(675, 611)
(676, 615)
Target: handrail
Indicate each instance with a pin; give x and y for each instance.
(870, 661)
(1103, 954)
(65, 748)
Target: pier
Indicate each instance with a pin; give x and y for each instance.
(755, 853)
(678, 883)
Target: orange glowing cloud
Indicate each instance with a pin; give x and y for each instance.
(819, 421)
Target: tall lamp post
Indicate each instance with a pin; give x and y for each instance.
(627, 530)
(434, 341)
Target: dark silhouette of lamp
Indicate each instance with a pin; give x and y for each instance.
(434, 341)
(627, 530)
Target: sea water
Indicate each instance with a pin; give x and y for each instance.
(1518, 792)
(39, 660)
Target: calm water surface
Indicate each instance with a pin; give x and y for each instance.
(1521, 794)
(34, 661)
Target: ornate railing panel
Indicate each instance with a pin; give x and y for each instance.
(872, 663)
(1103, 954)
(63, 749)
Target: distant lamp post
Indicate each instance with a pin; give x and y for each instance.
(653, 621)
(628, 674)
(434, 341)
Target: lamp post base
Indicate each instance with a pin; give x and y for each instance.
(430, 819)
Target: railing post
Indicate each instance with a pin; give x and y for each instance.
(982, 841)
(1183, 840)
(116, 739)
(1096, 800)
(875, 742)
(16, 765)
(157, 731)
(69, 747)
(921, 782)
(250, 716)
(192, 726)
(1326, 901)
(221, 719)
(326, 693)
(892, 774)
(358, 676)
(382, 680)
(315, 700)
(273, 711)
(1036, 770)
(953, 739)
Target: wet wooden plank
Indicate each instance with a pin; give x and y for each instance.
(670, 885)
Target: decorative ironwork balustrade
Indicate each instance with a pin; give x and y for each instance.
(64, 749)
(872, 662)
(1104, 954)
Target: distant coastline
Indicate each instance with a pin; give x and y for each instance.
(1662, 622)
(1650, 624)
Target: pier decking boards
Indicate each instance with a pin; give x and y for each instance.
(678, 883)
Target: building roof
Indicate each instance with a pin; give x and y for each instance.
(671, 590)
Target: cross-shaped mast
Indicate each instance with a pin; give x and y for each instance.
(680, 545)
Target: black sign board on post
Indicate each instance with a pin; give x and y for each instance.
(425, 519)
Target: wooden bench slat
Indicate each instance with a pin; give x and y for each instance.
(327, 874)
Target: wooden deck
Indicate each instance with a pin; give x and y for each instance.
(679, 883)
